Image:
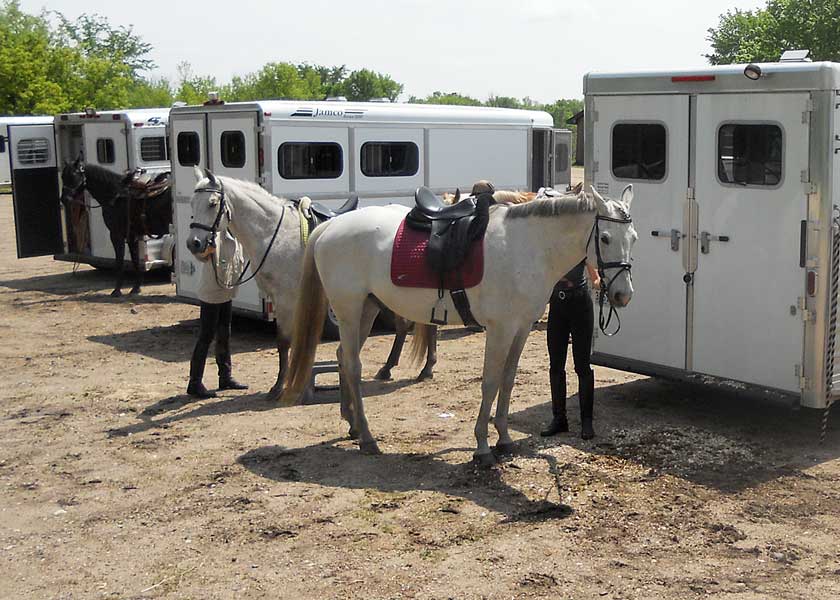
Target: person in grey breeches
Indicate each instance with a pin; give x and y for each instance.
(216, 301)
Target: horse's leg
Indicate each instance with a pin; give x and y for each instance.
(118, 241)
(369, 312)
(283, 366)
(431, 354)
(134, 250)
(401, 329)
(505, 444)
(496, 350)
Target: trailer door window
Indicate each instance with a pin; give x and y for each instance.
(189, 149)
(561, 158)
(153, 149)
(233, 149)
(310, 160)
(33, 151)
(750, 154)
(639, 151)
(2, 144)
(105, 154)
(390, 159)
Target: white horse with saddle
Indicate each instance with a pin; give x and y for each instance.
(526, 249)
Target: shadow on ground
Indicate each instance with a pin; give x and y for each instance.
(88, 280)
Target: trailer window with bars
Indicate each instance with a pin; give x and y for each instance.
(750, 154)
(33, 151)
(310, 160)
(390, 159)
(153, 149)
(233, 149)
(189, 149)
(105, 154)
(639, 151)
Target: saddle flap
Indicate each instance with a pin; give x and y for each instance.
(324, 213)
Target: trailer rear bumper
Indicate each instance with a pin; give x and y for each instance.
(107, 263)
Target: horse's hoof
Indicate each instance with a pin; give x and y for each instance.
(116, 293)
(273, 395)
(485, 461)
(424, 375)
(134, 291)
(369, 448)
(506, 449)
(354, 434)
(383, 375)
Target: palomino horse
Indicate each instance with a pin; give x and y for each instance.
(129, 214)
(527, 249)
(269, 229)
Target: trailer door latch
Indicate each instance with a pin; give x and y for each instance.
(706, 238)
(675, 234)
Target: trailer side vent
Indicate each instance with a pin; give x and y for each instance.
(33, 151)
(832, 357)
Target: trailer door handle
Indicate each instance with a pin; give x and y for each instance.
(706, 238)
(674, 234)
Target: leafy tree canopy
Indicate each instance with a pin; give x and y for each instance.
(762, 35)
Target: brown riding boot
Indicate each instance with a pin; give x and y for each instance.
(559, 423)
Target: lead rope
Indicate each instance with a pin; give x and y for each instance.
(832, 331)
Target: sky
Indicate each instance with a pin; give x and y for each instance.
(535, 48)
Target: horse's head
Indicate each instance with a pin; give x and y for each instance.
(612, 242)
(209, 210)
(73, 181)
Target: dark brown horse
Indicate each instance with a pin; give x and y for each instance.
(130, 211)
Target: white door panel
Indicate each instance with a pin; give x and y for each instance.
(100, 240)
(653, 325)
(746, 326)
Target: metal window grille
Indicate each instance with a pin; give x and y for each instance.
(33, 151)
(153, 149)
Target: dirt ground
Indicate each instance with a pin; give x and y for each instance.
(114, 484)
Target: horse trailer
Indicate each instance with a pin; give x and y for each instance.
(330, 150)
(25, 145)
(120, 141)
(737, 189)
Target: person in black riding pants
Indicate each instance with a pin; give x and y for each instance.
(571, 312)
(216, 301)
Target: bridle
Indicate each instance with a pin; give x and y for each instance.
(74, 192)
(214, 230)
(602, 266)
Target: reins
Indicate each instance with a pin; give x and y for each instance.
(602, 266)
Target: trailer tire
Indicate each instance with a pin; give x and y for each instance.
(330, 326)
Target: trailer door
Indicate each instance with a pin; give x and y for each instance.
(561, 165)
(188, 147)
(35, 195)
(752, 156)
(643, 140)
(106, 146)
(234, 152)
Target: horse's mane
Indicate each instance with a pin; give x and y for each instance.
(266, 200)
(552, 207)
(100, 176)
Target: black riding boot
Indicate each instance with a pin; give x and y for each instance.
(586, 387)
(226, 380)
(196, 388)
(559, 423)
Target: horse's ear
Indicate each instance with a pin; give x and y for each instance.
(577, 189)
(457, 197)
(627, 196)
(599, 200)
(209, 174)
(198, 174)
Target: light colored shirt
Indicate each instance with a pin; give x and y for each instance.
(228, 262)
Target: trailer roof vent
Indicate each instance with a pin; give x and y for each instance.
(336, 99)
(213, 98)
(795, 56)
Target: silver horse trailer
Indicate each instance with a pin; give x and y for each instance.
(329, 150)
(23, 142)
(737, 189)
(119, 141)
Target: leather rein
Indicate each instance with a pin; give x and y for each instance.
(602, 266)
(214, 230)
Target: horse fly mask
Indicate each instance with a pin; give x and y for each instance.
(602, 266)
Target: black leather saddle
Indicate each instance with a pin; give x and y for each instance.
(322, 213)
(432, 208)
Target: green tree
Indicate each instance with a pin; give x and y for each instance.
(503, 102)
(452, 98)
(364, 84)
(193, 89)
(762, 35)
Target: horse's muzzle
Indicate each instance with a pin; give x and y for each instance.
(200, 248)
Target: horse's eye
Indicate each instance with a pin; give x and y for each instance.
(605, 238)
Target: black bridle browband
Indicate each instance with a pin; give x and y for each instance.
(214, 230)
(602, 266)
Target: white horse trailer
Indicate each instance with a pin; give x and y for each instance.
(5, 150)
(380, 151)
(119, 141)
(737, 188)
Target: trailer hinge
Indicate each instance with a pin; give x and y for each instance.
(260, 129)
(807, 315)
(261, 179)
(806, 114)
(689, 194)
(804, 382)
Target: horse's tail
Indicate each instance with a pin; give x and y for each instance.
(420, 342)
(310, 312)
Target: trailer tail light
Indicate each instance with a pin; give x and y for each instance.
(812, 283)
(692, 78)
(138, 124)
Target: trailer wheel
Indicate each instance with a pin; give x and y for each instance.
(330, 326)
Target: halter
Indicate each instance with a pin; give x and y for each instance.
(621, 266)
(74, 192)
(214, 230)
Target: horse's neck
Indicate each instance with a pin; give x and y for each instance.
(253, 220)
(558, 242)
(100, 186)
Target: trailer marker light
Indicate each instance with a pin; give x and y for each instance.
(267, 114)
(812, 283)
(115, 117)
(692, 78)
(138, 124)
